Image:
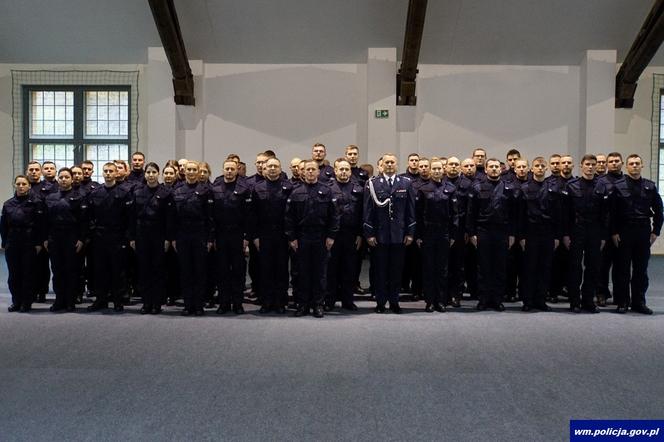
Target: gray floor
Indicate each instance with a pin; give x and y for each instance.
(461, 375)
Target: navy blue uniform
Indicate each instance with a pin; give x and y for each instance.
(66, 225)
(326, 173)
(609, 253)
(311, 217)
(232, 204)
(634, 203)
(151, 225)
(561, 256)
(268, 208)
(437, 223)
(22, 230)
(136, 176)
(86, 257)
(456, 267)
(492, 215)
(194, 229)
(359, 174)
(411, 277)
(43, 274)
(515, 275)
(389, 224)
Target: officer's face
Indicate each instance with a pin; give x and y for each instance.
(230, 171)
(318, 153)
(380, 167)
(511, 160)
(479, 156)
(122, 171)
(76, 175)
(242, 169)
(614, 164)
(273, 169)
(34, 172)
(22, 186)
(634, 166)
(151, 176)
(110, 174)
(437, 171)
(493, 169)
(601, 164)
(555, 165)
(413, 163)
(566, 165)
(182, 165)
(300, 170)
(539, 169)
(137, 162)
(295, 168)
(469, 168)
(342, 171)
(64, 180)
(169, 175)
(452, 167)
(389, 164)
(311, 172)
(424, 169)
(260, 162)
(204, 174)
(588, 168)
(48, 170)
(87, 170)
(521, 169)
(352, 156)
(192, 172)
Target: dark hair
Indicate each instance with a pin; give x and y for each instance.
(513, 152)
(270, 153)
(138, 153)
(615, 154)
(65, 169)
(494, 159)
(33, 162)
(88, 162)
(588, 157)
(413, 155)
(21, 176)
(633, 156)
(153, 165)
(48, 162)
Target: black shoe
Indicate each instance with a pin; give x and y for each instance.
(621, 309)
(575, 308)
(543, 307)
(481, 306)
(318, 312)
(328, 307)
(145, 310)
(223, 308)
(25, 308)
(264, 309)
(380, 308)
(41, 297)
(456, 303)
(301, 311)
(70, 308)
(56, 307)
(643, 309)
(118, 308)
(280, 310)
(211, 304)
(238, 310)
(395, 308)
(185, 312)
(601, 301)
(590, 308)
(95, 306)
(156, 310)
(79, 299)
(199, 312)
(170, 302)
(553, 299)
(440, 308)
(526, 308)
(359, 290)
(350, 307)
(13, 308)
(428, 308)
(499, 307)
(416, 297)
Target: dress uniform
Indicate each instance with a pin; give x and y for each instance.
(635, 202)
(389, 217)
(311, 218)
(22, 231)
(437, 223)
(457, 255)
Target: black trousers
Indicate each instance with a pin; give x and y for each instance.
(632, 266)
(211, 278)
(294, 272)
(412, 274)
(607, 268)
(253, 268)
(192, 257)
(515, 271)
(584, 265)
(21, 259)
(538, 258)
(341, 276)
(312, 259)
(172, 291)
(435, 254)
(559, 271)
(151, 276)
(387, 262)
(89, 272)
(456, 266)
(492, 250)
(230, 268)
(43, 273)
(66, 266)
(110, 265)
(470, 269)
(273, 285)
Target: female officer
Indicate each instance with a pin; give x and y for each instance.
(66, 233)
(149, 235)
(21, 228)
(172, 292)
(211, 259)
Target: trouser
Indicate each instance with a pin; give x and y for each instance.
(387, 262)
(632, 257)
(584, 265)
(43, 274)
(273, 269)
(435, 253)
(538, 257)
(294, 272)
(253, 268)
(151, 276)
(470, 269)
(312, 260)
(192, 258)
(89, 271)
(359, 258)
(456, 268)
(21, 259)
(515, 269)
(211, 278)
(131, 270)
(412, 270)
(559, 271)
(66, 265)
(110, 266)
(607, 269)
(341, 276)
(230, 267)
(172, 291)
(492, 250)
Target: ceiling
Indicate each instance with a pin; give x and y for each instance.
(530, 32)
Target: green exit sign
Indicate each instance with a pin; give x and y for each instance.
(382, 113)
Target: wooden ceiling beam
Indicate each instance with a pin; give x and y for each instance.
(407, 73)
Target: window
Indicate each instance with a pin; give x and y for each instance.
(70, 124)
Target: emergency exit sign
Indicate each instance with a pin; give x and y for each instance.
(382, 113)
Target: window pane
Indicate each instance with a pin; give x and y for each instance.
(51, 119)
(113, 98)
(102, 113)
(109, 111)
(61, 154)
(102, 98)
(91, 113)
(91, 98)
(60, 99)
(124, 98)
(48, 98)
(113, 128)
(114, 113)
(37, 98)
(103, 153)
(60, 113)
(60, 128)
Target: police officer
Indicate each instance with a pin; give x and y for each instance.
(109, 210)
(194, 235)
(457, 254)
(413, 169)
(585, 231)
(352, 155)
(389, 227)
(172, 291)
(479, 158)
(87, 183)
(342, 267)
(437, 222)
(150, 233)
(318, 153)
(510, 174)
(66, 233)
(635, 201)
(311, 225)
(515, 262)
(492, 214)
(137, 174)
(22, 232)
(540, 232)
(562, 167)
(232, 203)
(46, 186)
(268, 208)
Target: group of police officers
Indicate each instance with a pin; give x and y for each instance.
(500, 231)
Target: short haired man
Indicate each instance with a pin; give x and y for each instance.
(318, 153)
(137, 174)
(479, 158)
(353, 156)
(413, 169)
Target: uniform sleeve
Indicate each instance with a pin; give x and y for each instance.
(419, 214)
(4, 226)
(132, 217)
(129, 207)
(454, 216)
(169, 213)
(82, 220)
(411, 221)
(290, 222)
(333, 216)
(208, 213)
(513, 212)
(658, 218)
(566, 212)
(368, 214)
(472, 212)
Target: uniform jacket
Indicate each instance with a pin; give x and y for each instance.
(585, 205)
(231, 208)
(23, 222)
(268, 206)
(152, 212)
(540, 207)
(636, 201)
(109, 210)
(311, 212)
(492, 204)
(66, 210)
(436, 208)
(391, 223)
(350, 201)
(193, 211)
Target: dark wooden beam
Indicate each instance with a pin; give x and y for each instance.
(417, 10)
(166, 19)
(643, 49)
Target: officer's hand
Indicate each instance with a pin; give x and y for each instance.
(79, 246)
(473, 240)
(132, 244)
(418, 242)
(257, 244)
(653, 238)
(408, 240)
(510, 241)
(566, 242)
(466, 238)
(175, 246)
(329, 242)
(522, 243)
(556, 243)
(166, 244)
(209, 246)
(602, 244)
(372, 241)
(293, 245)
(37, 248)
(358, 242)
(616, 240)
(451, 242)
(46, 245)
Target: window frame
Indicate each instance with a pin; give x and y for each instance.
(78, 139)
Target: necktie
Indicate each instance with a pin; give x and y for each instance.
(391, 181)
